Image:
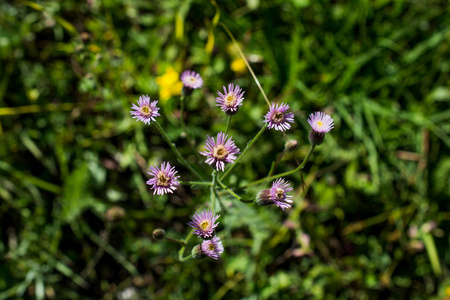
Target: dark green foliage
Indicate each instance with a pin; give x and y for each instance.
(376, 200)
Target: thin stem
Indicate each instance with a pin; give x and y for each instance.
(182, 243)
(212, 190)
(181, 252)
(195, 183)
(98, 255)
(186, 258)
(233, 193)
(249, 144)
(222, 205)
(277, 162)
(228, 124)
(228, 190)
(245, 60)
(175, 150)
(285, 173)
(183, 126)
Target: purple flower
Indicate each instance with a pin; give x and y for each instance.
(203, 223)
(213, 247)
(276, 117)
(145, 111)
(231, 99)
(191, 79)
(321, 123)
(222, 151)
(276, 195)
(164, 180)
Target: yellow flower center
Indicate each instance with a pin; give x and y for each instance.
(319, 123)
(211, 247)
(230, 100)
(204, 225)
(162, 179)
(279, 193)
(192, 79)
(220, 152)
(278, 117)
(146, 110)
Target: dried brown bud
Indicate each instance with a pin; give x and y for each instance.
(115, 213)
(290, 145)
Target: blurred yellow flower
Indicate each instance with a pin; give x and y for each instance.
(238, 65)
(169, 84)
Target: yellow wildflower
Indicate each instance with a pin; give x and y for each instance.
(169, 84)
(238, 65)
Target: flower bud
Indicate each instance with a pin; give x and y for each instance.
(197, 252)
(159, 234)
(316, 138)
(115, 213)
(290, 145)
(263, 198)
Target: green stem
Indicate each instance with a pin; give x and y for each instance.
(228, 124)
(183, 126)
(182, 243)
(175, 150)
(285, 173)
(233, 193)
(195, 183)
(212, 189)
(228, 190)
(277, 162)
(181, 252)
(186, 258)
(249, 144)
(245, 60)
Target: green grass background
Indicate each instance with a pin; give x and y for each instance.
(376, 207)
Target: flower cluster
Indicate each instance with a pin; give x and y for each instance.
(220, 150)
(204, 225)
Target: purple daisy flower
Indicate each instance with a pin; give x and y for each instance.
(276, 117)
(191, 81)
(164, 180)
(231, 99)
(213, 247)
(276, 195)
(321, 123)
(203, 223)
(145, 111)
(223, 151)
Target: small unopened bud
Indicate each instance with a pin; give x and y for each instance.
(263, 198)
(290, 145)
(197, 252)
(159, 234)
(115, 213)
(187, 91)
(429, 226)
(316, 138)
